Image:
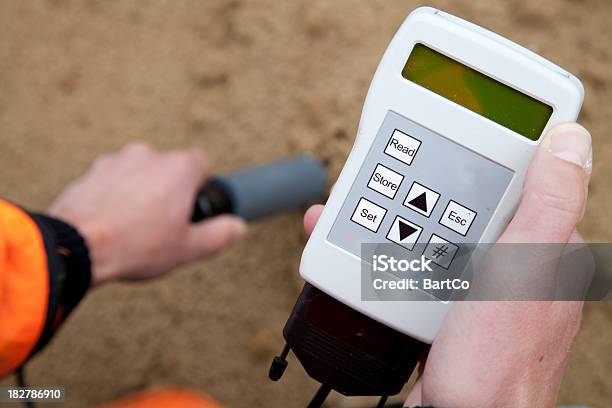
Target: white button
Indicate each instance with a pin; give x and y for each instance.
(421, 199)
(440, 251)
(368, 214)
(404, 232)
(402, 147)
(457, 217)
(385, 181)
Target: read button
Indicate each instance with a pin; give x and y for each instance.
(402, 147)
(369, 215)
(457, 217)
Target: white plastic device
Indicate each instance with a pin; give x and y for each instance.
(328, 262)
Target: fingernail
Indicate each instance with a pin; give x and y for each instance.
(240, 230)
(571, 143)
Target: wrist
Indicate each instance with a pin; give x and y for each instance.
(99, 239)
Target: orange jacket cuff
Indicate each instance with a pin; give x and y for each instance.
(24, 286)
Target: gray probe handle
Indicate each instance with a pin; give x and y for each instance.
(275, 187)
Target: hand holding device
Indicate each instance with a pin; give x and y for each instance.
(513, 353)
(134, 207)
(451, 122)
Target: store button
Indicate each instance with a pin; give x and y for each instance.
(402, 147)
(385, 181)
(457, 217)
(369, 215)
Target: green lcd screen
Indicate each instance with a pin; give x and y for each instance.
(477, 92)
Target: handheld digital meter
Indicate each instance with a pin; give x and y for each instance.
(451, 121)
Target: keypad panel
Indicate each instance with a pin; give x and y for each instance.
(418, 187)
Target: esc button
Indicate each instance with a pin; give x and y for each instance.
(458, 218)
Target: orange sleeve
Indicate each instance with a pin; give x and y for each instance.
(164, 398)
(24, 286)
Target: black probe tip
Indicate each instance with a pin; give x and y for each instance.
(277, 368)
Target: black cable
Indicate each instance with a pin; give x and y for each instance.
(382, 401)
(285, 352)
(21, 382)
(320, 397)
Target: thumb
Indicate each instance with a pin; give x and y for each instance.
(555, 191)
(211, 236)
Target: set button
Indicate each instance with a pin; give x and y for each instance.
(457, 217)
(402, 147)
(368, 215)
(385, 181)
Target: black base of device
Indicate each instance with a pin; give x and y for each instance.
(345, 350)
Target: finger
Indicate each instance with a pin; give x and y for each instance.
(193, 164)
(311, 217)
(415, 398)
(211, 236)
(201, 165)
(555, 189)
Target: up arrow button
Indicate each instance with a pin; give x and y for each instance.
(421, 199)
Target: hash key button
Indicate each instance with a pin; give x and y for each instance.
(440, 251)
(402, 147)
(368, 215)
(457, 217)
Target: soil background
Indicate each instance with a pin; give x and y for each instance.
(249, 82)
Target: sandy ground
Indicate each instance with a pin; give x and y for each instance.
(249, 81)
